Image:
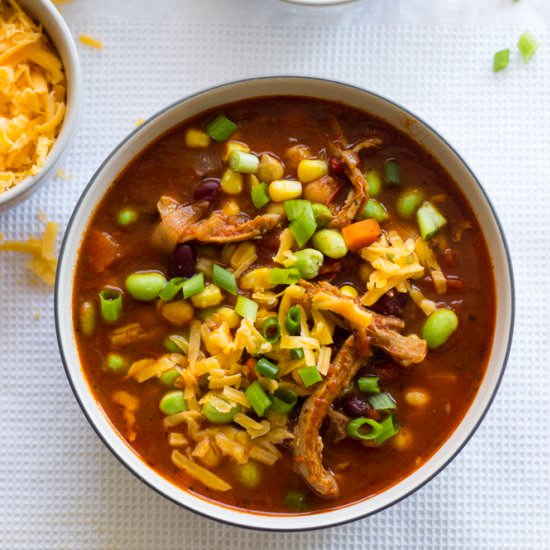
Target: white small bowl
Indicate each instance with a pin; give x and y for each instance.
(395, 115)
(45, 13)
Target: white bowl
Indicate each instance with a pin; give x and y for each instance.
(324, 89)
(44, 12)
(318, 2)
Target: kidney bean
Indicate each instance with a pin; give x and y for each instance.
(209, 189)
(391, 303)
(387, 372)
(355, 406)
(181, 262)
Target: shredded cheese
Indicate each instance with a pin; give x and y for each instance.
(32, 95)
(88, 40)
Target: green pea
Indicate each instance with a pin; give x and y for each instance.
(172, 403)
(248, 474)
(87, 318)
(168, 377)
(127, 216)
(322, 214)
(296, 500)
(439, 326)
(170, 345)
(116, 362)
(308, 262)
(330, 243)
(145, 285)
(374, 209)
(375, 182)
(218, 417)
(408, 203)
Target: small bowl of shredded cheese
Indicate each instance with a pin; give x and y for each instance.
(40, 88)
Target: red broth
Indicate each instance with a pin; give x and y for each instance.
(449, 375)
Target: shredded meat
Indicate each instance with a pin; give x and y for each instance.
(182, 222)
(103, 250)
(381, 330)
(175, 218)
(349, 157)
(219, 228)
(337, 422)
(308, 445)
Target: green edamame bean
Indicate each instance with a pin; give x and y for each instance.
(322, 214)
(87, 318)
(308, 262)
(439, 327)
(145, 285)
(172, 403)
(168, 377)
(374, 209)
(116, 362)
(375, 182)
(408, 203)
(127, 216)
(330, 243)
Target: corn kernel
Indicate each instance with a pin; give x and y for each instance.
(197, 139)
(296, 153)
(312, 169)
(242, 252)
(256, 279)
(232, 182)
(284, 190)
(227, 315)
(365, 271)
(417, 397)
(276, 208)
(349, 290)
(402, 440)
(231, 146)
(270, 168)
(210, 296)
(230, 208)
(178, 313)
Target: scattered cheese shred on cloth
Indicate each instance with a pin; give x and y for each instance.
(32, 95)
(91, 41)
(43, 261)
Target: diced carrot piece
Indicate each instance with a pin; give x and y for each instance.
(103, 250)
(361, 234)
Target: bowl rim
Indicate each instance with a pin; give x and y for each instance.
(67, 51)
(250, 513)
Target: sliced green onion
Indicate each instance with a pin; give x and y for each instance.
(322, 214)
(368, 384)
(379, 432)
(392, 172)
(173, 403)
(170, 291)
(267, 368)
(218, 417)
(527, 45)
(430, 220)
(382, 402)
(501, 60)
(258, 398)
(297, 353)
(302, 220)
(246, 308)
(224, 279)
(259, 195)
(293, 319)
(309, 376)
(220, 128)
(284, 276)
(168, 377)
(127, 216)
(308, 262)
(283, 400)
(245, 163)
(375, 182)
(116, 362)
(271, 330)
(193, 286)
(110, 302)
(375, 210)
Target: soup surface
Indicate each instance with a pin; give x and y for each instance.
(284, 305)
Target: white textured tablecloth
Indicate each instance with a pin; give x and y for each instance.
(61, 489)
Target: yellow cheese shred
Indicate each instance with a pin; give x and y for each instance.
(88, 40)
(43, 261)
(32, 95)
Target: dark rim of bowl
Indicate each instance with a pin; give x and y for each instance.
(393, 104)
